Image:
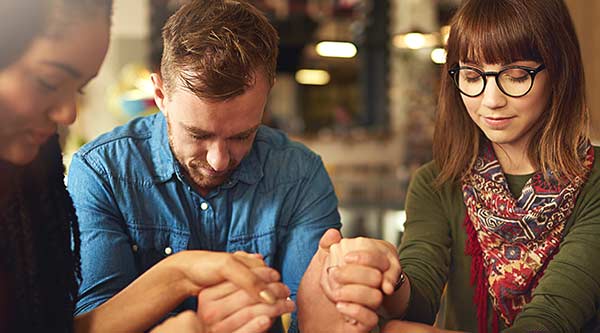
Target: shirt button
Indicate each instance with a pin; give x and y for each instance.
(134, 247)
(168, 250)
(204, 206)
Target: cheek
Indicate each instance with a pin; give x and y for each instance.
(472, 105)
(20, 105)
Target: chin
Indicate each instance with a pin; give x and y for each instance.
(21, 157)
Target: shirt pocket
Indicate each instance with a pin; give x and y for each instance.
(263, 243)
(151, 244)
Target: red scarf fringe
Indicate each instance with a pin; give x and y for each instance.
(478, 279)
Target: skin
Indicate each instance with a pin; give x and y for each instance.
(507, 121)
(38, 92)
(210, 138)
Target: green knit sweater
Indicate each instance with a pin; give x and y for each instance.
(432, 254)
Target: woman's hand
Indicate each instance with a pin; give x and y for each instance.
(204, 269)
(357, 274)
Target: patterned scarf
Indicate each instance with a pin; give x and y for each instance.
(513, 239)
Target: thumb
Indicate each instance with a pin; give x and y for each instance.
(330, 237)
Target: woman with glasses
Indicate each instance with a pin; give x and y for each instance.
(503, 227)
(507, 217)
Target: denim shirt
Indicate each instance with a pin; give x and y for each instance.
(135, 207)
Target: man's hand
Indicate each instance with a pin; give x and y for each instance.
(227, 308)
(188, 322)
(185, 322)
(316, 312)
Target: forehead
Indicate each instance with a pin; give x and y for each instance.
(81, 44)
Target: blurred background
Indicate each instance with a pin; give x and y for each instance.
(357, 83)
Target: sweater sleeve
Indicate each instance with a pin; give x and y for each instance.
(568, 294)
(425, 247)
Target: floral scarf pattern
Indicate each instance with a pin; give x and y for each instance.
(516, 237)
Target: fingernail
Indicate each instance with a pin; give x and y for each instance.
(340, 306)
(274, 276)
(267, 296)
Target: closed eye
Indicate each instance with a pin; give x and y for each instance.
(46, 85)
(242, 138)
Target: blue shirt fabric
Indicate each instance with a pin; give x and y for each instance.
(135, 207)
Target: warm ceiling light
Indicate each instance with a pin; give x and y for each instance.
(316, 77)
(415, 40)
(438, 56)
(336, 49)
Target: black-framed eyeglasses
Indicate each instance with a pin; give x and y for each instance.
(513, 81)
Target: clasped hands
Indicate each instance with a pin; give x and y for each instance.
(357, 273)
(237, 293)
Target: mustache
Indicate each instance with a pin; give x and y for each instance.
(205, 165)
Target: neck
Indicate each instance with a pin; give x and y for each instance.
(513, 159)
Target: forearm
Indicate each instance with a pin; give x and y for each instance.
(143, 303)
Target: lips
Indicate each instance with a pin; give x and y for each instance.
(212, 173)
(497, 122)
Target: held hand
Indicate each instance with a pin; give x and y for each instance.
(357, 271)
(227, 308)
(316, 312)
(369, 252)
(205, 268)
(185, 322)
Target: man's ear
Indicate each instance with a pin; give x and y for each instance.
(159, 92)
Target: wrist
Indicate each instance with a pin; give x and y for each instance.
(178, 267)
(396, 304)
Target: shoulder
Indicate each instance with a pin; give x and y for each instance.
(125, 147)
(592, 184)
(136, 129)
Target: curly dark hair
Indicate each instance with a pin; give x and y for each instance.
(40, 242)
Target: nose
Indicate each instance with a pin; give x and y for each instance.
(218, 156)
(64, 113)
(493, 98)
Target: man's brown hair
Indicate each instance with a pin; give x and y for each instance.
(215, 48)
(505, 31)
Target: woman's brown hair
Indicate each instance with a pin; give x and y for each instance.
(505, 31)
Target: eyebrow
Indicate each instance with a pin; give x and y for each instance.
(65, 68)
(200, 132)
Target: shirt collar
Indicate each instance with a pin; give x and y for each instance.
(249, 171)
(162, 157)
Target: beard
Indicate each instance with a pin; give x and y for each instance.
(198, 170)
